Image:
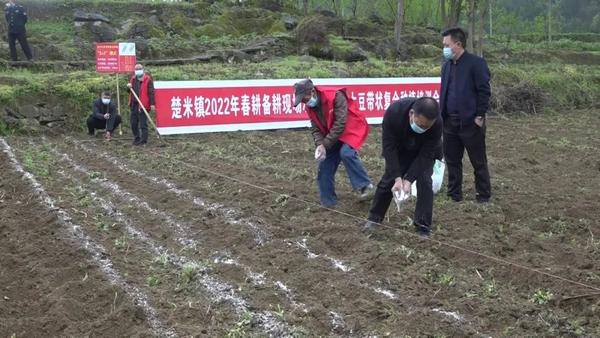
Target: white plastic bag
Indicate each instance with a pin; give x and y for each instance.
(399, 198)
(436, 179)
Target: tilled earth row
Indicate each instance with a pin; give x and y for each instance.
(216, 256)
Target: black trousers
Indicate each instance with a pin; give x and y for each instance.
(458, 137)
(383, 195)
(139, 121)
(12, 39)
(110, 125)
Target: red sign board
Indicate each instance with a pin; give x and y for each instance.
(107, 57)
(113, 57)
(209, 106)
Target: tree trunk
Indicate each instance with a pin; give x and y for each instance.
(471, 30)
(480, 27)
(443, 14)
(305, 7)
(549, 20)
(354, 8)
(400, 52)
(455, 9)
(491, 15)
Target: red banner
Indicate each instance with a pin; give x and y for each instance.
(209, 106)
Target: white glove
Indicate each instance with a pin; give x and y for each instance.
(320, 153)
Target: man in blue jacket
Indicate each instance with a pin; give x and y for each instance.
(16, 18)
(464, 102)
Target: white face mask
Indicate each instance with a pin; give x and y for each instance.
(139, 72)
(105, 101)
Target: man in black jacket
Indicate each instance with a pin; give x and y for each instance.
(464, 102)
(411, 139)
(104, 116)
(16, 18)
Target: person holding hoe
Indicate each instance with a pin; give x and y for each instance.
(141, 97)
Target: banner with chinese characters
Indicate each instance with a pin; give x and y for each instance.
(184, 107)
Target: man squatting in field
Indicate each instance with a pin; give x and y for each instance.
(339, 131)
(104, 116)
(412, 141)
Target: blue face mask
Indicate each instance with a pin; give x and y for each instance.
(415, 127)
(312, 102)
(448, 53)
(106, 101)
(139, 72)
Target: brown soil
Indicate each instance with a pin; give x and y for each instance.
(48, 286)
(543, 215)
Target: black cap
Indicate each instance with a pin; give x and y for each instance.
(301, 88)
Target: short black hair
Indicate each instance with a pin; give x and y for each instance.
(457, 34)
(427, 107)
(106, 93)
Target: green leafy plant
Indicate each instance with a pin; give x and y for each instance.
(541, 297)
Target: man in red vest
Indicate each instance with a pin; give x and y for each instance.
(339, 130)
(143, 86)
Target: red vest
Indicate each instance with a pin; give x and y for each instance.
(143, 95)
(356, 130)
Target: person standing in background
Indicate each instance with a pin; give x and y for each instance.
(16, 18)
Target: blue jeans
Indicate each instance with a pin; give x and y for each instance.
(328, 167)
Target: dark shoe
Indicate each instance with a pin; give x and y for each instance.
(422, 231)
(92, 134)
(370, 226)
(107, 136)
(483, 200)
(143, 143)
(367, 193)
(456, 198)
(136, 142)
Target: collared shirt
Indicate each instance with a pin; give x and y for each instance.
(452, 106)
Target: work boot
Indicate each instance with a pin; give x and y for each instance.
(367, 193)
(422, 230)
(370, 226)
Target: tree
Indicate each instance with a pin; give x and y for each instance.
(455, 10)
(480, 26)
(354, 7)
(471, 30)
(305, 6)
(549, 20)
(452, 17)
(400, 52)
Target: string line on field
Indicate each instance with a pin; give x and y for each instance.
(218, 289)
(432, 240)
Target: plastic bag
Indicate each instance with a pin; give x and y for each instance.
(399, 198)
(437, 178)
